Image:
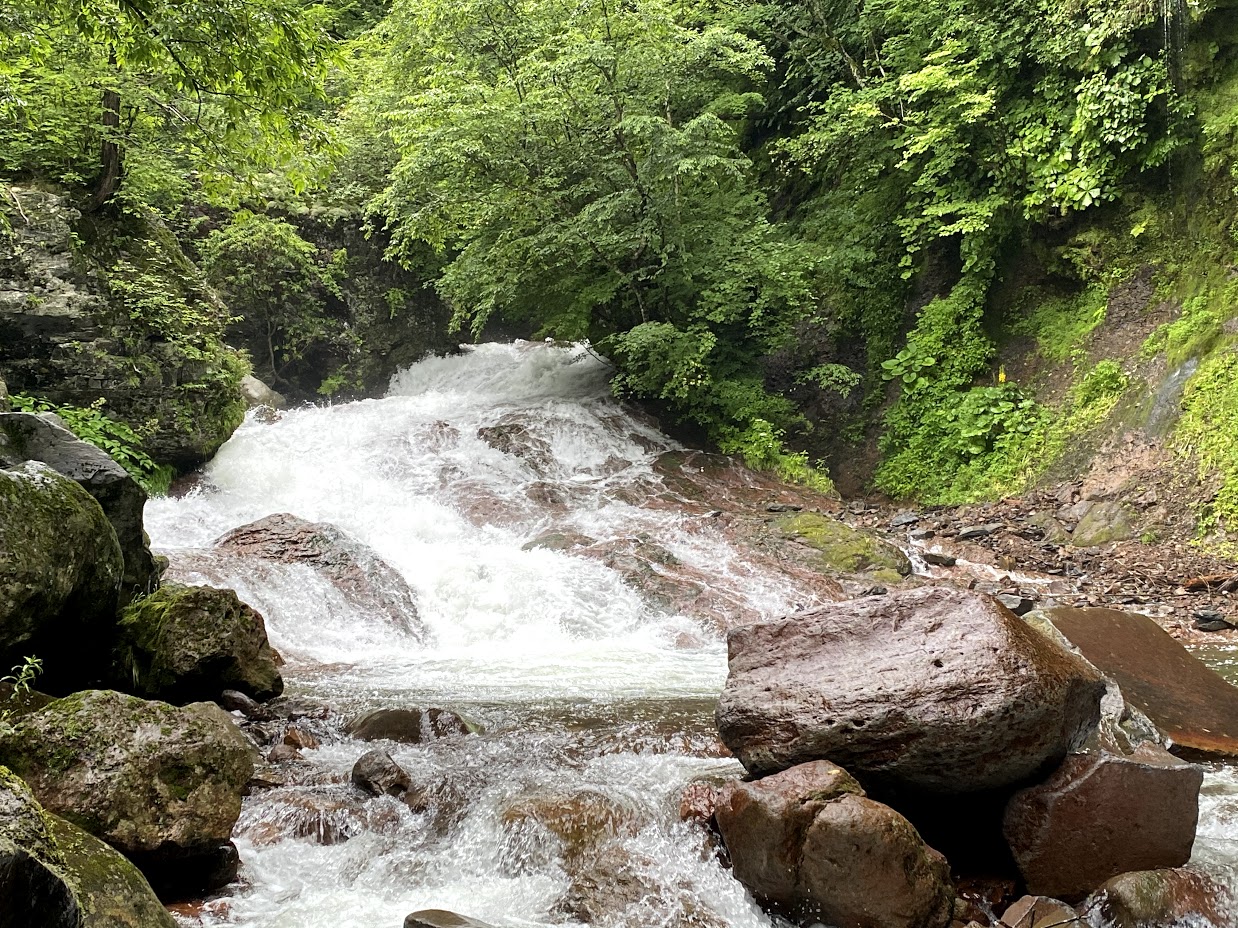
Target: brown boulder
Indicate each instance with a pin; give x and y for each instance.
(1188, 701)
(1100, 815)
(1163, 899)
(408, 726)
(1041, 912)
(808, 842)
(377, 774)
(932, 690)
(354, 568)
(441, 918)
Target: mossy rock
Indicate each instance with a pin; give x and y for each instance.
(54, 875)
(60, 566)
(155, 781)
(844, 549)
(1104, 523)
(188, 643)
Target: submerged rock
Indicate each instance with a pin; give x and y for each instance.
(1163, 899)
(60, 566)
(408, 726)
(27, 437)
(1195, 708)
(932, 690)
(1101, 815)
(441, 918)
(808, 842)
(377, 774)
(54, 875)
(184, 644)
(354, 568)
(161, 784)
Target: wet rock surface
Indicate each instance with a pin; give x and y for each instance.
(807, 841)
(1163, 899)
(1100, 815)
(185, 644)
(1041, 912)
(350, 565)
(441, 918)
(1189, 702)
(159, 783)
(377, 774)
(407, 726)
(932, 690)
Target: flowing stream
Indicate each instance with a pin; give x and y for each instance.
(595, 703)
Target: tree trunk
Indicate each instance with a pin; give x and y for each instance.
(109, 177)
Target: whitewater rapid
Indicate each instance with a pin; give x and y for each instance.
(583, 687)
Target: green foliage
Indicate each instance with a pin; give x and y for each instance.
(279, 283)
(121, 442)
(20, 679)
(1060, 324)
(762, 448)
(1206, 431)
(908, 366)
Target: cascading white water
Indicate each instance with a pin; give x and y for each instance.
(584, 688)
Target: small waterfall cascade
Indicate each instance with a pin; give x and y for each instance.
(594, 696)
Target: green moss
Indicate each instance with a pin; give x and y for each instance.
(843, 548)
(1207, 432)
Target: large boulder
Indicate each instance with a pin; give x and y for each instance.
(27, 437)
(161, 784)
(1195, 708)
(60, 566)
(842, 548)
(1180, 898)
(1101, 815)
(354, 568)
(185, 644)
(408, 726)
(933, 690)
(809, 843)
(54, 875)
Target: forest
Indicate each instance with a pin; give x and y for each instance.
(803, 231)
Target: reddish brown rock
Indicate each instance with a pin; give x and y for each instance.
(1100, 815)
(1188, 701)
(935, 690)
(808, 842)
(300, 738)
(697, 802)
(354, 568)
(1163, 899)
(1041, 912)
(377, 774)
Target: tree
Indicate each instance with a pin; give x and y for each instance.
(229, 77)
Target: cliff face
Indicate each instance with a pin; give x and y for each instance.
(111, 309)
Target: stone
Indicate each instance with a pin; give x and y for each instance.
(938, 559)
(697, 802)
(558, 541)
(256, 393)
(1016, 602)
(283, 754)
(377, 774)
(1103, 814)
(1191, 704)
(581, 821)
(234, 701)
(843, 548)
(1163, 899)
(808, 842)
(904, 518)
(408, 726)
(191, 643)
(60, 566)
(1041, 912)
(54, 875)
(1101, 524)
(301, 738)
(27, 437)
(5, 404)
(968, 532)
(933, 690)
(354, 568)
(161, 784)
(441, 918)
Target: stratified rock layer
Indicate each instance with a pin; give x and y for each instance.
(933, 690)
(1190, 703)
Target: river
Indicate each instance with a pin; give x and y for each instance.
(592, 699)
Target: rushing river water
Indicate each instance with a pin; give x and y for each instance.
(593, 702)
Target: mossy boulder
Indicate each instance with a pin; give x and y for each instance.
(1103, 523)
(159, 783)
(187, 643)
(60, 566)
(842, 548)
(29, 437)
(54, 875)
